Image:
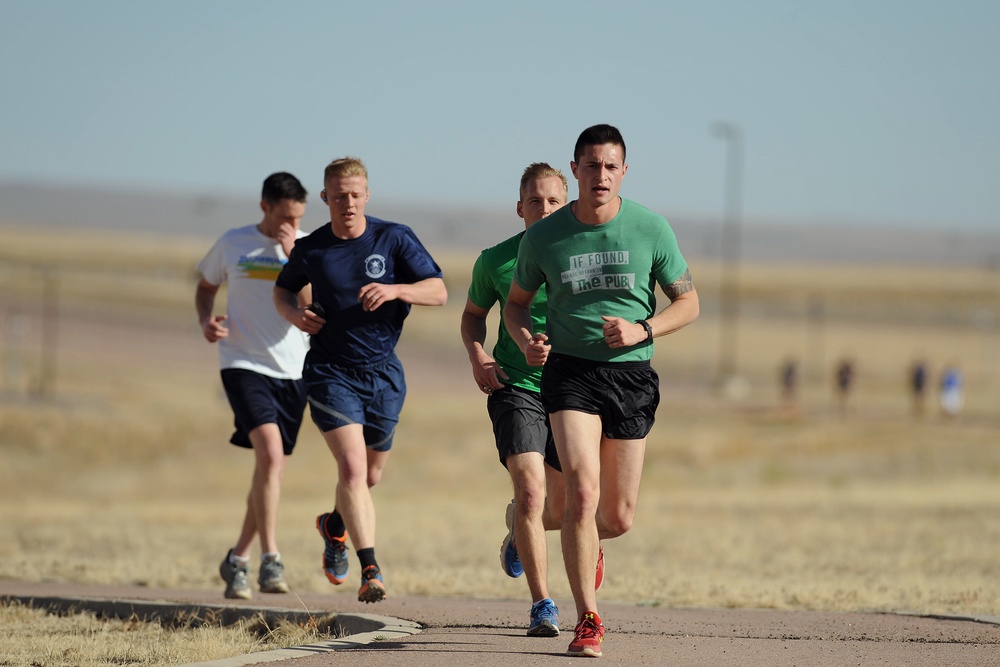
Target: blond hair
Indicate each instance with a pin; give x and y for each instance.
(343, 167)
(541, 170)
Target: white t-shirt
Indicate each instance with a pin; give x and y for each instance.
(259, 338)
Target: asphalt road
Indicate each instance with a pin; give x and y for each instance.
(417, 631)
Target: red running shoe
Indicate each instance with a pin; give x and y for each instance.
(600, 568)
(588, 637)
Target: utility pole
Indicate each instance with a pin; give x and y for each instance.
(731, 249)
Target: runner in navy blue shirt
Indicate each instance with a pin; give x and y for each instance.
(365, 274)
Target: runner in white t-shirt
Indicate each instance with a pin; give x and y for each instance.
(261, 359)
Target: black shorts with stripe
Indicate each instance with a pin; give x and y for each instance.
(624, 394)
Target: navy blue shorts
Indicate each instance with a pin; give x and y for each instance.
(370, 395)
(520, 425)
(625, 394)
(258, 399)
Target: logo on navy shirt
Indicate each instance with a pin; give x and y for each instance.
(375, 266)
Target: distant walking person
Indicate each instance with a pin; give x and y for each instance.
(844, 384)
(918, 386)
(365, 274)
(952, 391)
(600, 259)
(520, 425)
(261, 358)
(789, 379)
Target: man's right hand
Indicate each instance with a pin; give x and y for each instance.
(536, 349)
(488, 375)
(214, 328)
(308, 321)
(286, 237)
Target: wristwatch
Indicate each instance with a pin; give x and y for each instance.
(648, 328)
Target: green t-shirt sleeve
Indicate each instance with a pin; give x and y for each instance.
(668, 263)
(527, 273)
(482, 289)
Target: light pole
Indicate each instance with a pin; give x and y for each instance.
(730, 287)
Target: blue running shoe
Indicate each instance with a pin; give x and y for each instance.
(334, 553)
(544, 619)
(509, 560)
(372, 586)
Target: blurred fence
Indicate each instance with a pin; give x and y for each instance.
(38, 298)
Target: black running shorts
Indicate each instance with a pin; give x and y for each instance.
(624, 394)
(257, 399)
(520, 425)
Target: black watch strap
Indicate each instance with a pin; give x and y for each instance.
(648, 328)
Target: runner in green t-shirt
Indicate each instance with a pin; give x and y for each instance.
(520, 425)
(599, 259)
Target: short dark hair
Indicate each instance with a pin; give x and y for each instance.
(597, 135)
(282, 185)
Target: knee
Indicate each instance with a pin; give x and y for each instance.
(271, 467)
(353, 476)
(582, 502)
(531, 500)
(374, 477)
(615, 521)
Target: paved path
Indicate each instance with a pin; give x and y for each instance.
(429, 632)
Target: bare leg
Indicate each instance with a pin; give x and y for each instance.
(265, 491)
(555, 499)
(621, 471)
(528, 477)
(578, 440)
(358, 469)
(248, 533)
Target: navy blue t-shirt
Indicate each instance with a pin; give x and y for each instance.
(387, 252)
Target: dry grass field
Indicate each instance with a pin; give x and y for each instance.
(114, 428)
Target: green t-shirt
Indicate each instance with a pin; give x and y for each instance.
(491, 276)
(593, 270)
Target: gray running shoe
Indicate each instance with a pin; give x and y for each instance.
(235, 576)
(272, 577)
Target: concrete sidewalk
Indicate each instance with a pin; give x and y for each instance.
(438, 631)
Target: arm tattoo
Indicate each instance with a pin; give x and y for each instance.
(683, 284)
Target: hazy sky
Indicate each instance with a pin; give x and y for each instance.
(856, 110)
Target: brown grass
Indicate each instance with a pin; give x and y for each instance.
(36, 637)
(117, 468)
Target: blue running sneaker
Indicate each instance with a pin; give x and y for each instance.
(334, 553)
(509, 560)
(544, 619)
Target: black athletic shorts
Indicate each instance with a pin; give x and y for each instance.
(257, 399)
(624, 394)
(520, 425)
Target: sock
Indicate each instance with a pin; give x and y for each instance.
(335, 524)
(367, 557)
(237, 560)
(268, 557)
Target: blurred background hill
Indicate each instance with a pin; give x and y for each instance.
(205, 216)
